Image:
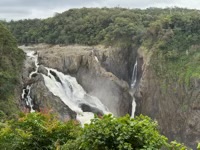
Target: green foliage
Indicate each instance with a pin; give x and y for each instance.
(174, 40)
(11, 59)
(114, 26)
(111, 133)
(177, 146)
(198, 146)
(87, 26)
(38, 132)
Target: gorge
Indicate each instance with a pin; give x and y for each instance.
(117, 61)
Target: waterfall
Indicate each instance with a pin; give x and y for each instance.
(133, 86)
(26, 91)
(69, 91)
(134, 75)
(97, 60)
(95, 57)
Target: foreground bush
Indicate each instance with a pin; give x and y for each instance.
(36, 131)
(125, 133)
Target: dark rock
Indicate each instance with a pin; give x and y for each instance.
(87, 108)
(42, 70)
(55, 76)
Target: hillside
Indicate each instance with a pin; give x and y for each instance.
(11, 59)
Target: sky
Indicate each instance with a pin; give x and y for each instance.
(25, 9)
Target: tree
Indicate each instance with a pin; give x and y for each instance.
(125, 133)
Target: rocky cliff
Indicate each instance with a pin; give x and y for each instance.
(174, 105)
(92, 68)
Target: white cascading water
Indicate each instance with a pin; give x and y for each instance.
(69, 91)
(72, 94)
(134, 75)
(133, 85)
(95, 57)
(26, 91)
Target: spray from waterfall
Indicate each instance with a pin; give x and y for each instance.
(133, 86)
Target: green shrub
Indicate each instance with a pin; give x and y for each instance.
(111, 133)
(37, 131)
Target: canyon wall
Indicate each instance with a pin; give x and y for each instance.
(175, 106)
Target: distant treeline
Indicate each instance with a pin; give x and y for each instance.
(91, 26)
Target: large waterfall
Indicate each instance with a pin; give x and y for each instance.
(133, 87)
(68, 90)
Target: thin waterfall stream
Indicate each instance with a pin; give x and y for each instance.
(133, 87)
(26, 91)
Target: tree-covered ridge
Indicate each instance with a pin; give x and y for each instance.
(36, 131)
(11, 59)
(90, 26)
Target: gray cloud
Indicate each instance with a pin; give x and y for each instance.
(20, 9)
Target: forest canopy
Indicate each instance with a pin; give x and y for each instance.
(110, 26)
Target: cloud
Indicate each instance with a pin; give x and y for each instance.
(20, 9)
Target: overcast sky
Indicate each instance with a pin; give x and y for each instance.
(24, 9)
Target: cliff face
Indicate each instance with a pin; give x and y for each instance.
(174, 105)
(87, 65)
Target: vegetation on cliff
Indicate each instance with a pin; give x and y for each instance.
(36, 131)
(11, 59)
(174, 41)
